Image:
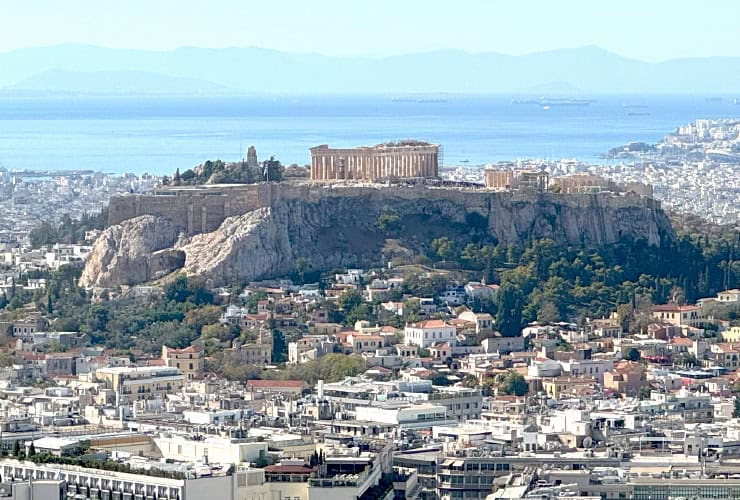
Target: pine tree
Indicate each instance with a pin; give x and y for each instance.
(17, 449)
(31, 450)
(49, 305)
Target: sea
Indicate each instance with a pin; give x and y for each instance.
(158, 134)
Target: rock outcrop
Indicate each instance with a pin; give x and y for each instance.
(135, 251)
(335, 227)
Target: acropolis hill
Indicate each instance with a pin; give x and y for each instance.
(227, 233)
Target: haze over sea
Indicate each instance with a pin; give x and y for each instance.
(158, 134)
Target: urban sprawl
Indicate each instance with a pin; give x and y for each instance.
(434, 403)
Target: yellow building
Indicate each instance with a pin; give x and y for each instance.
(679, 315)
(190, 361)
(132, 383)
(731, 335)
(556, 387)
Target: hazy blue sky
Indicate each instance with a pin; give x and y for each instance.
(650, 30)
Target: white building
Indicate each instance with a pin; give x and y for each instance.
(729, 295)
(212, 449)
(406, 416)
(426, 333)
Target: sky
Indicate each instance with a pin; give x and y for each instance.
(647, 30)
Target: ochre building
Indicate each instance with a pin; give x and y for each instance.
(404, 159)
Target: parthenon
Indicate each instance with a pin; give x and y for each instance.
(403, 159)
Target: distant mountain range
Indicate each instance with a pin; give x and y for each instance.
(116, 82)
(90, 69)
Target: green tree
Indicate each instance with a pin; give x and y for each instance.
(279, 346)
(512, 383)
(411, 310)
(509, 315)
(188, 177)
(444, 248)
(633, 354)
(253, 300)
(45, 233)
(6, 359)
(177, 289)
(17, 448)
(548, 313)
(182, 289)
(272, 170)
(97, 318)
(736, 410)
(362, 312)
(470, 381)
(221, 333)
(439, 379)
(350, 299)
(301, 265)
(388, 223)
(330, 368)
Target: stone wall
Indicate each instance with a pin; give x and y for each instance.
(203, 209)
(195, 210)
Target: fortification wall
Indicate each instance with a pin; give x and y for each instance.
(203, 209)
(194, 210)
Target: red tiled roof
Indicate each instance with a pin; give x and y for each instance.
(358, 337)
(430, 323)
(724, 347)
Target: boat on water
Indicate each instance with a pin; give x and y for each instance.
(634, 106)
(638, 114)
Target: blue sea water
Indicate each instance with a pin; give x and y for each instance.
(159, 134)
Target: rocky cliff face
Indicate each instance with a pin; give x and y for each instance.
(336, 227)
(133, 252)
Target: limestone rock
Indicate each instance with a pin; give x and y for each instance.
(133, 252)
(336, 227)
